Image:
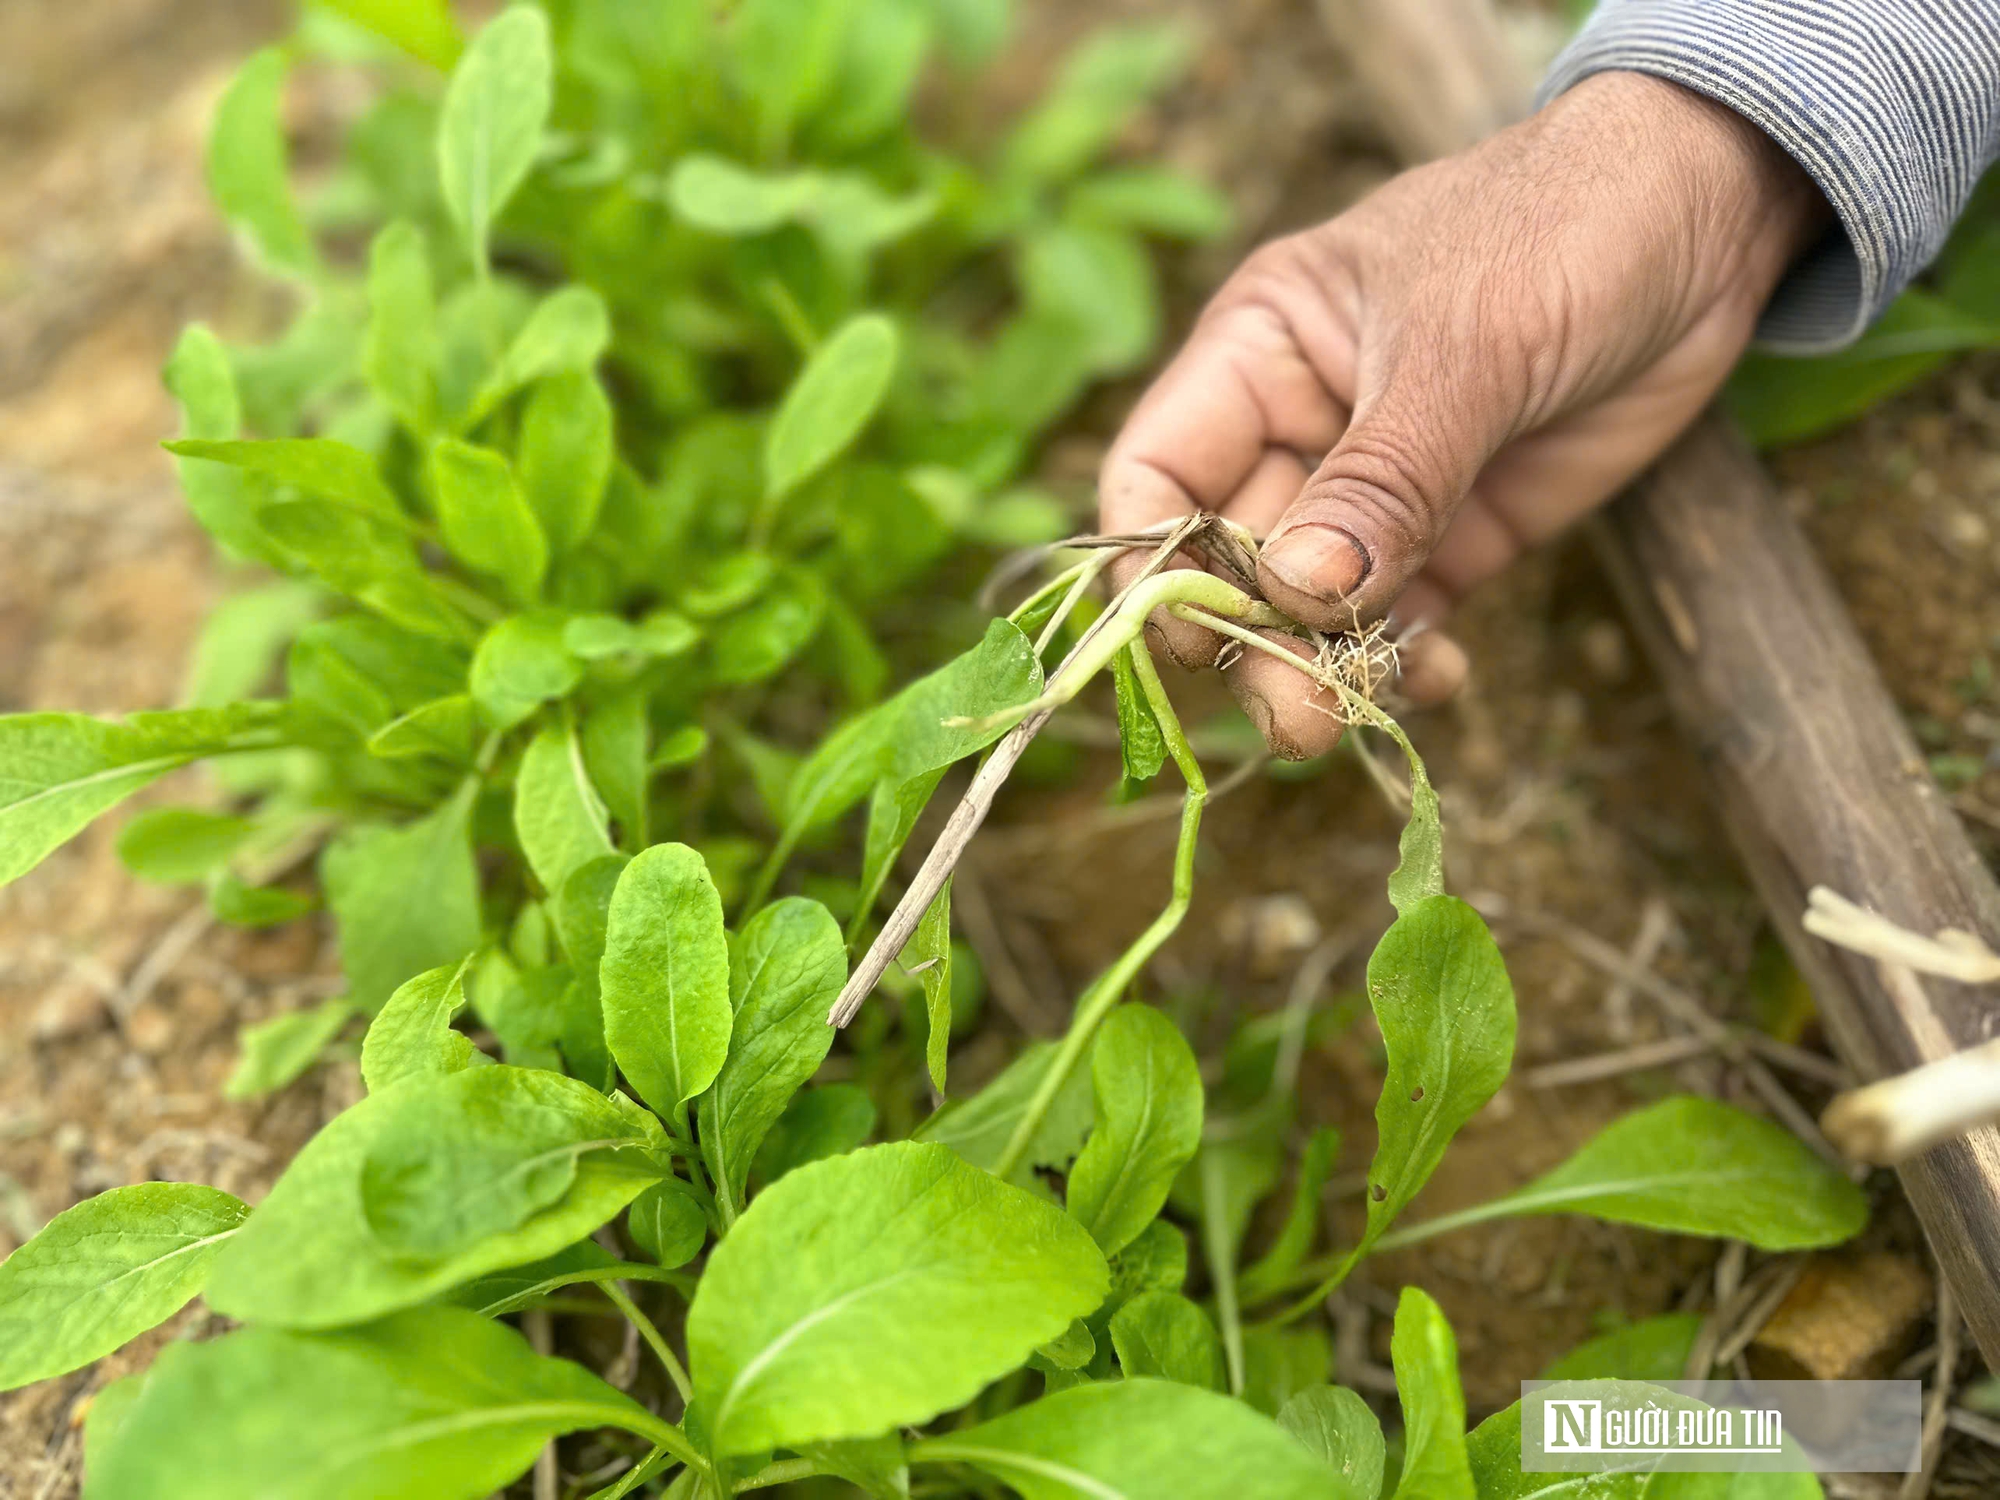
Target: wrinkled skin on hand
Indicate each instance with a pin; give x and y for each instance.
(1403, 399)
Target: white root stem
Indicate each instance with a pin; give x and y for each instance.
(1888, 1122)
(1951, 954)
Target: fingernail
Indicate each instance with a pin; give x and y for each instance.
(1260, 715)
(1320, 560)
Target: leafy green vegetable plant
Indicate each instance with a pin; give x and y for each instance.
(558, 559)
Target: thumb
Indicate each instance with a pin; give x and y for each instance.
(1369, 517)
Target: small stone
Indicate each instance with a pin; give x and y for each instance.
(72, 1009)
(1851, 1317)
(1966, 531)
(150, 1029)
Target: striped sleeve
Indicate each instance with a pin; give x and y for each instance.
(1891, 106)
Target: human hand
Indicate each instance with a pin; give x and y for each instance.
(1404, 398)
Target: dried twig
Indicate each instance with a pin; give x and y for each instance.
(1602, 1065)
(1937, 1406)
(1692, 1014)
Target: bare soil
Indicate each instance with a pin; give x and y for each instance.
(1569, 800)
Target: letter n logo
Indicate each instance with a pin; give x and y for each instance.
(1571, 1426)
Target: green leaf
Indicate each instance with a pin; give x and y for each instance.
(829, 404)
(1777, 399)
(617, 731)
(486, 521)
(713, 193)
(1425, 1356)
(276, 1051)
(491, 126)
(104, 1272)
(1099, 283)
(1134, 1440)
(400, 355)
(521, 664)
(308, 1259)
(1072, 1349)
(412, 1036)
(316, 466)
(444, 728)
(1288, 1251)
(1141, 746)
(198, 376)
(1155, 200)
(1419, 873)
(435, 1403)
(1650, 1349)
(1495, 1452)
(1147, 1125)
(422, 28)
(1162, 1334)
(752, 645)
(1156, 1261)
(568, 330)
(243, 905)
(458, 1158)
(59, 771)
(1691, 1165)
(876, 1290)
(565, 455)
(242, 640)
(404, 899)
(917, 742)
(668, 1224)
(558, 815)
(979, 1128)
(175, 845)
(876, 1466)
(786, 967)
(1446, 1011)
(501, 1292)
(246, 165)
(1337, 1427)
(1278, 1363)
(827, 1121)
(1101, 85)
(665, 977)
(928, 956)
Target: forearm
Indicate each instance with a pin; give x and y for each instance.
(1892, 107)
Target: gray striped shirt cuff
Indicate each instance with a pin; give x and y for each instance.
(1891, 106)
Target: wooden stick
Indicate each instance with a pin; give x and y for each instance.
(1818, 778)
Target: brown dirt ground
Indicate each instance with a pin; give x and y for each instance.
(1567, 795)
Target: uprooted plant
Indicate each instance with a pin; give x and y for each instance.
(882, 1315)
